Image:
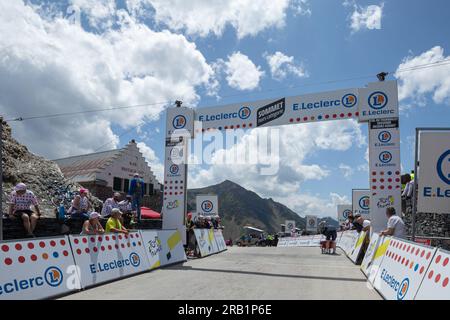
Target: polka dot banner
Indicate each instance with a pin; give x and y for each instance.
(36, 268)
(107, 257)
(435, 285)
(403, 268)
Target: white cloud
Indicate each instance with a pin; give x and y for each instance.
(99, 13)
(366, 17)
(282, 65)
(286, 185)
(202, 18)
(346, 170)
(61, 67)
(155, 163)
(301, 7)
(241, 72)
(415, 85)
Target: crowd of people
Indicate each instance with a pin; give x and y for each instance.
(117, 213)
(198, 222)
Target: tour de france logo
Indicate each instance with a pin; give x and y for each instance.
(364, 203)
(135, 260)
(443, 167)
(349, 100)
(207, 206)
(378, 100)
(244, 113)
(53, 276)
(346, 213)
(384, 136)
(179, 122)
(403, 289)
(174, 169)
(385, 157)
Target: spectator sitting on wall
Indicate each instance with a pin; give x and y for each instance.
(361, 224)
(21, 201)
(92, 226)
(126, 207)
(113, 224)
(110, 204)
(395, 225)
(75, 209)
(85, 204)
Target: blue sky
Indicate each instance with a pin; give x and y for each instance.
(325, 40)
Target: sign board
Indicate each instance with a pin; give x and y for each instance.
(220, 240)
(361, 202)
(343, 211)
(207, 205)
(333, 105)
(434, 172)
(102, 258)
(384, 170)
(311, 223)
(206, 242)
(37, 269)
(163, 247)
(290, 226)
(402, 270)
(366, 264)
(378, 101)
(175, 174)
(179, 122)
(435, 285)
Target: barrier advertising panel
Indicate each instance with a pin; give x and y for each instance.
(222, 246)
(385, 171)
(378, 101)
(163, 247)
(206, 242)
(375, 240)
(311, 223)
(434, 172)
(207, 205)
(361, 202)
(435, 285)
(403, 269)
(378, 258)
(354, 254)
(343, 211)
(107, 257)
(37, 269)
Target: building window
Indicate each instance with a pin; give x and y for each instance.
(145, 188)
(150, 188)
(126, 185)
(117, 184)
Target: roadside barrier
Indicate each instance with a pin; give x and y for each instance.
(435, 285)
(370, 252)
(163, 247)
(348, 241)
(378, 258)
(355, 252)
(207, 242)
(37, 269)
(301, 241)
(222, 246)
(402, 269)
(102, 258)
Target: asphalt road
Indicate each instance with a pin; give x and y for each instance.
(245, 273)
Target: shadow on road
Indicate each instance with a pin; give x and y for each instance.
(189, 268)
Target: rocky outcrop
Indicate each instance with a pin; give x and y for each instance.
(42, 176)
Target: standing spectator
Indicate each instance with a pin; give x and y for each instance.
(21, 201)
(137, 192)
(126, 207)
(92, 226)
(408, 192)
(190, 236)
(110, 204)
(395, 225)
(113, 224)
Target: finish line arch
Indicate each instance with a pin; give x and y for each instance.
(375, 104)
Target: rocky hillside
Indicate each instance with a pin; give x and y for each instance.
(239, 207)
(39, 174)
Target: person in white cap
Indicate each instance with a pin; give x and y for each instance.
(93, 225)
(20, 204)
